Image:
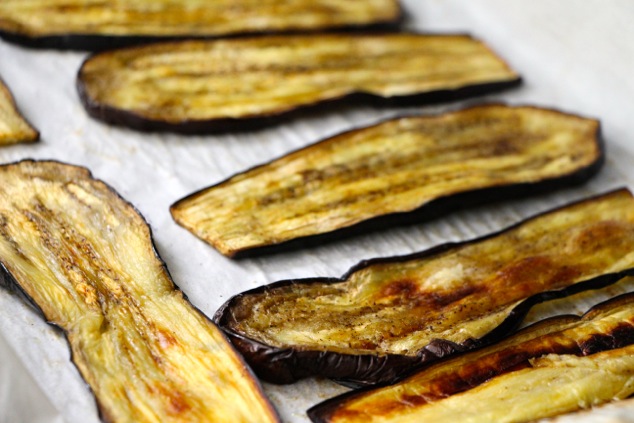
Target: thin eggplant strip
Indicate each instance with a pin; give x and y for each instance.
(96, 24)
(238, 84)
(14, 128)
(396, 172)
(85, 258)
(556, 366)
(389, 316)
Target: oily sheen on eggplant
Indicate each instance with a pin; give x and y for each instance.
(98, 24)
(388, 316)
(13, 127)
(555, 366)
(396, 172)
(85, 258)
(239, 84)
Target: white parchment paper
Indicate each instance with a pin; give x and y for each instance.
(577, 56)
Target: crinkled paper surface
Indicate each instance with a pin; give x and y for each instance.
(575, 56)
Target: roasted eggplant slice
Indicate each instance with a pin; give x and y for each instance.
(388, 316)
(396, 172)
(556, 366)
(86, 260)
(13, 127)
(96, 24)
(207, 86)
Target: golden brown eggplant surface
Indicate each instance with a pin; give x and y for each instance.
(393, 168)
(553, 367)
(74, 21)
(202, 86)
(13, 127)
(86, 259)
(390, 315)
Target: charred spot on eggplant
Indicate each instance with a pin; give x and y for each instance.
(562, 364)
(96, 25)
(397, 172)
(14, 128)
(238, 84)
(389, 316)
(86, 260)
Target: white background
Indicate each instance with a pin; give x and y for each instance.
(577, 56)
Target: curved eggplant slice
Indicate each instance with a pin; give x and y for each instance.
(239, 84)
(14, 128)
(562, 364)
(95, 25)
(85, 259)
(396, 172)
(389, 316)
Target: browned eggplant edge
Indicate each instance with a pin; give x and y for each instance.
(98, 43)
(431, 210)
(321, 412)
(289, 364)
(8, 282)
(129, 119)
(15, 105)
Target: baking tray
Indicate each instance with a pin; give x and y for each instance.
(574, 56)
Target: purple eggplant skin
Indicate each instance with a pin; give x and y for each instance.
(287, 365)
(76, 42)
(431, 210)
(127, 119)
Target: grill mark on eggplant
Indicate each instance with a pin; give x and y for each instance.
(146, 353)
(6, 235)
(381, 195)
(365, 168)
(342, 66)
(81, 263)
(607, 326)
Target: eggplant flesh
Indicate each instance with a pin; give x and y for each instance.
(388, 316)
(555, 366)
(94, 24)
(85, 258)
(220, 85)
(13, 127)
(395, 172)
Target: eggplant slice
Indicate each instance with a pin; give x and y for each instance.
(555, 366)
(389, 316)
(99, 24)
(239, 84)
(85, 258)
(14, 128)
(396, 172)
